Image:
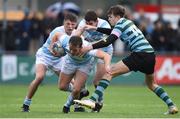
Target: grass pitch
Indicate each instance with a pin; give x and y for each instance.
(120, 102)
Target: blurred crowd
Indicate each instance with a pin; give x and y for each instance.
(160, 33)
(32, 31)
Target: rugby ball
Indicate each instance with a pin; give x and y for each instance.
(58, 49)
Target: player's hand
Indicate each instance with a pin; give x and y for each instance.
(90, 27)
(52, 51)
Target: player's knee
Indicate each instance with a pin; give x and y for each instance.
(39, 78)
(62, 87)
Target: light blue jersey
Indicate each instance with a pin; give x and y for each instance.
(93, 36)
(64, 40)
(46, 45)
(44, 56)
(131, 36)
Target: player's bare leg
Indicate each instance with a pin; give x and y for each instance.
(159, 91)
(40, 73)
(79, 82)
(98, 76)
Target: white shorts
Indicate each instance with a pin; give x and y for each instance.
(50, 62)
(70, 67)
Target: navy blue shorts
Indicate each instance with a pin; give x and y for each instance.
(140, 61)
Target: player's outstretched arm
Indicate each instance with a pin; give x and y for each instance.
(78, 32)
(106, 57)
(105, 42)
(101, 43)
(99, 29)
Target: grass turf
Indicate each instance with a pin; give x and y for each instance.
(120, 102)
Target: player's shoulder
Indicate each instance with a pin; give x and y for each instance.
(58, 29)
(101, 20)
(82, 22)
(64, 36)
(123, 21)
(64, 39)
(103, 23)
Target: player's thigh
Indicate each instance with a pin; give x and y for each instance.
(100, 71)
(65, 79)
(80, 80)
(101, 68)
(40, 71)
(119, 68)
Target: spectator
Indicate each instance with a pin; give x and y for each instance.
(24, 27)
(170, 39)
(1, 36)
(10, 37)
(35, 32)
(157, 37)
(177, 40)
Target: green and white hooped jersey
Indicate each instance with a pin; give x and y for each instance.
(131, 36)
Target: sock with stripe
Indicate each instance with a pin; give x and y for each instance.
(69, 101)
(100, 99)
(27, 101)
(163, 95)
(103, 84)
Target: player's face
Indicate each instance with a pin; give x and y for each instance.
(113, 19)
(74, 50)
(92, 23)
(69, 26)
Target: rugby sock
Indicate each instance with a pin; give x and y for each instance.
(69, 101)
(100, 99)
(103, 84)
(27, 101)
(163, 95)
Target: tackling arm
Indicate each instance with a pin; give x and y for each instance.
(99, 29)
(104, 30)
(106, 57)
(78, 32)
(105, 42)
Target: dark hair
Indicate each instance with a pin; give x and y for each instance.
(117, 10)
(76, 41)
(70, 16)
(90, 16)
